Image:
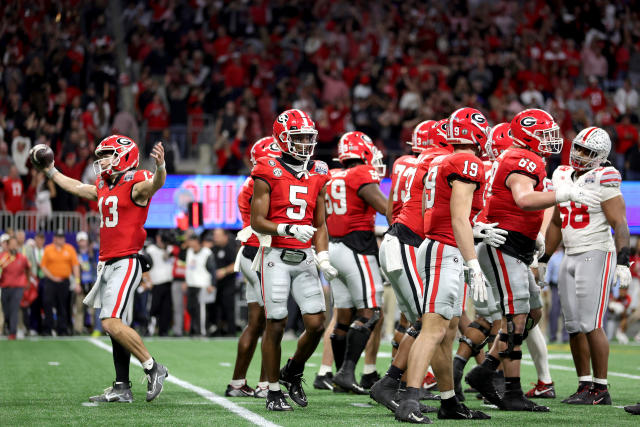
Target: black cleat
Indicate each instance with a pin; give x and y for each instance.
(461, 412)
(633, 409)
(384, 391)
(155, 380)
(346, 378)
(293, 383)
(368, 380)
(244, 391)
(516, 401)
(409, 412)
(277, 402)
(323, 382)
(597, 397)
(118, 392)
(425, 394)
(481, 378)
(579, 396)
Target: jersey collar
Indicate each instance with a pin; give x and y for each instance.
(292, 171)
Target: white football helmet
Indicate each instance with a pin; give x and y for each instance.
(590, 148)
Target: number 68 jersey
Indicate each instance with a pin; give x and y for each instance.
(293, 199)
(585, 228)
(122, 220)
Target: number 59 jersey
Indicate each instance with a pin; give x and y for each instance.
(346, 210)
(585, 228)
(293, 199)
(442, 173)
(122, 220)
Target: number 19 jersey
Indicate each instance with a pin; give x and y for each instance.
(443, 172)
(122, 220)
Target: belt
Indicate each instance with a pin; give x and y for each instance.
(120, 258)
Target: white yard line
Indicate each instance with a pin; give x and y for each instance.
(209, 395)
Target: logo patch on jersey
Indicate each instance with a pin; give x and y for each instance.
(100, 184)
(528, 121)
(277, 172)
(590, 179)
(321, 167)
(271, 163)
(128, 176)
(270, 264)
(455, 259)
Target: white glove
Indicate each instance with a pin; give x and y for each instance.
(542, 272)
(303, 233)
(329, 271)
(540, 246)
(577, 194)
(490, 234)
(476, 281)
(623, 274)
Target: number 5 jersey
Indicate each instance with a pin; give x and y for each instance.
(585, 228)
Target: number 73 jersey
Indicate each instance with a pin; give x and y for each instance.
(585, 228)
(293, 199)
(121, 219)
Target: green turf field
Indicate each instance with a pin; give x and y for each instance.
(49, 381)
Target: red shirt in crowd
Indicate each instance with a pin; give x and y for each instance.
(627, 137)
(14, 270)
(596, 98)
(13, 191)
(156, 116)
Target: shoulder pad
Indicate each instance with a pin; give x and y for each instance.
(320, 167)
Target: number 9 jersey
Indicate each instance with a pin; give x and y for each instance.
(292, 199)
(122, 220)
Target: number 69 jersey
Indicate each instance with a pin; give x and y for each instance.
(585, 228)
(443, 171)
(122, 221)
(293, 200)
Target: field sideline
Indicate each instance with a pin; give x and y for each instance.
(48, 381)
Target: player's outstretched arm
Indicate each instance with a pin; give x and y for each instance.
(371, 194)
(524, 195)
(144, 190)
(460, 208)
(70, 185)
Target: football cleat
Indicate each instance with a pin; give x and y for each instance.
(346, 378)
(244, 391)
(260, 392)
(385, 392)
(579, 396)
(430, 381)
(515, 401)
(427, 395)
(633, 409)
(542, 390)
(323, 382)
(155, 380)
(409, 411)
(461, 412)
(481, 379)
(118, 392)
(293, 383)
(277, 402)
(597, 397)
(368, 380)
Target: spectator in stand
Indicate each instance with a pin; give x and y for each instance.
(59, 262)
(157, 119)
(20, 147)
(199, 280)
(225, 251)
(632, 163)
(6, 161)
(161, 275)
(15, 272)
(627, 137)
(87, 262)
(626, 98)
(12, 191)
(595, 96)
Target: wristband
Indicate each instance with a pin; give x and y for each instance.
(51, 172)
(161, 166)
(623, 256)
(283, 229)
(544, 258)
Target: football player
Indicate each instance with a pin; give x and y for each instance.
(452, 197)
(288, 205)
(123, 195)
(352, 200)
(593, 258)
(264, 147)
(398, 255)
(516, 202)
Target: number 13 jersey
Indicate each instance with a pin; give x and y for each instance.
(585, 228)
(122, 220)
(292, 200)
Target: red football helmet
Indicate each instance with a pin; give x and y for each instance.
(438, 132)
(499, 140)
(467, 126)
(121, 153)
(420, 136)
(296, 134)
(267, 146)
(358, 145)
(537, 130)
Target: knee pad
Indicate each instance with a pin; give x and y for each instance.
(395, 344)
(414, 330)
(400, 329)
(512, 340)
(340, 327)
(475, 348)
(528, 325)
(490, 340)
(479, 327)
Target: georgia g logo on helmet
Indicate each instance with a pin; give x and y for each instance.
(528, 121)
(124, 141)
(478, 118)
(283, 118)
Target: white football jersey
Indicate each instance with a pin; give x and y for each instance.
(585, 228)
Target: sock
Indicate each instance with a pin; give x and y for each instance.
(147, 365)
(338, 345)
(538, 348)
(324, 370)
(447, 394)
(512, 384)
(491, 362)
(395, 373)
(368, 369)
(585, 379)
(238, 383)
(356, 342)
(121, 360)
(263, 384)
(274, 386)
(293, 367)
(600, 383)
(411, 393)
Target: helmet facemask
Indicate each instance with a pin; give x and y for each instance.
(550, 139)
(585, 158)
(378, 163)
(301, 143)
(108, 157)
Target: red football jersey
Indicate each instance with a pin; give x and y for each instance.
(244, 205)
(293, 199)
(501, 207)
(411, 210)
(13, 191)
(403, 168)
(121, 219)
(488, 170)
(437, 193)
(346, 210)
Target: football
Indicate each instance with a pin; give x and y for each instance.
(41, 156)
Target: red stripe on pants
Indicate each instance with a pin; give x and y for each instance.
(507, 284)
(414, 264)
(436, 278)
(264, 297)
(604, 291)
(124, 285)
(372, 285)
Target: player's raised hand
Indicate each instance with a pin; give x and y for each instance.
(158, 153)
